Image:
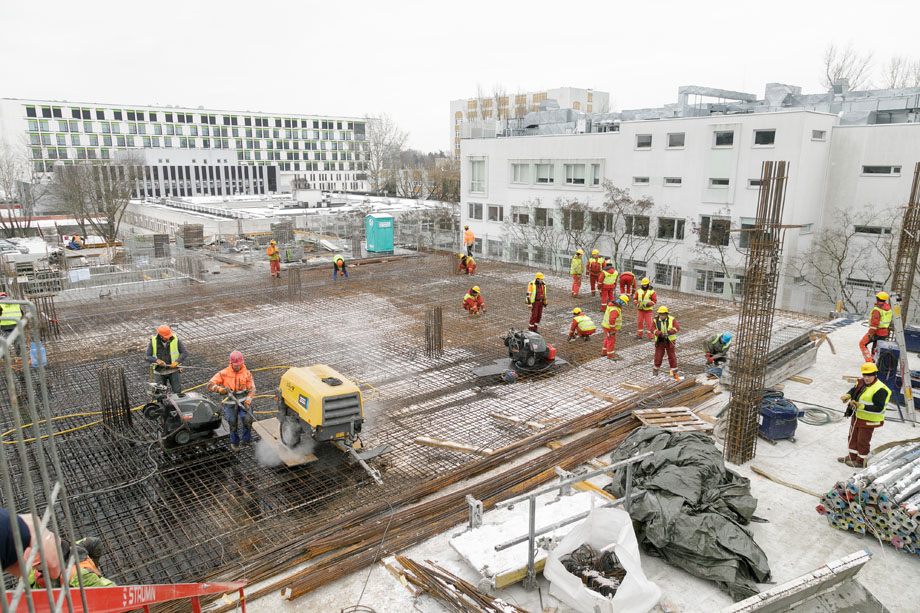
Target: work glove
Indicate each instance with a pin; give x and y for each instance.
(223, 391)
(845, 398)
(161, 363)
(174, 365)
(708, 359)
(672, 331)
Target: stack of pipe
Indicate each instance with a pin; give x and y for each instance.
(882, 499)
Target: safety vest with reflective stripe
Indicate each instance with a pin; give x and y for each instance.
(584, 323)
(884, 319)
(866, 398)
(610, 278)
(532, 292)
(90, 574)
(595, 265)
(468, 237)
(272, 253)
(173, 347)
(617, 322)
(11, 314)
(644, 299)
(670, 324)
(467, 261)
(577, 267)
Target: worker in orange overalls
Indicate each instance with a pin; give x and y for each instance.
(274, 259)
(236, 378)
(608, 285)
(468, 240)
(879, 322)
(581, 325)
(628, 284)
(577, 269)
(467, 264)
(595, 270)
(473, 303)
(613, 321)
(536, 300)
(645, 303)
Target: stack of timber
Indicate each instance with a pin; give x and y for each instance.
(792, 350)
(192, 234)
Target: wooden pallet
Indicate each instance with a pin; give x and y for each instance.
(676, 420)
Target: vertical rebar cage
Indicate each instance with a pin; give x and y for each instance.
(755, 322)
(26, 449)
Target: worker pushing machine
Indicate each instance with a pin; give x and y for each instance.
(595, 270)
(717, 348)
(879, 323)
(472, 301)
(866, 402)
(613, 321)
(581, 325)
(338, 267)
(577, 269)
(468, 240)
(167, 353)
(274, 259)
(236, 378)
(536, 301)
(87, 553)
(628, 284)
(608, 285)
(467, 264)
(646, 299)
(666, 329)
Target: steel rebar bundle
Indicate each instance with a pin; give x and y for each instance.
(457, 594)
(905, 264)
(295, 285)
(434, 332)
(755, 322)
(113, 398)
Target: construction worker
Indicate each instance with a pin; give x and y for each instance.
(613, 321)
(666, 329)
(467, 264)
(167, 353)
(536, 300)
(236, 378)
(338, 266)
(468, 240)
(866, 402)
(717, 348)
(879, 322)
(87, 552)
(10, 314)
(608, 285)
(595, 270)
(577, 269)
(628, 284)
(646, 298)
(473, 303)
(26, 524)
(274, 259)
(581, 325)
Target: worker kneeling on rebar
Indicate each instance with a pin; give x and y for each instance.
(87, 552)
(234, 379)
(866, 402)
(472, 301)
(717, 348)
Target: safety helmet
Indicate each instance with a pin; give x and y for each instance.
(236, 358)
(466, 227)
(883, 296)
(608, 266)
(624, 298)
(576, 311)
(164, 331)
(475, 289)
(3, 295)
(539, 275)
(662, 309)
(459, 255)
(595, 252)
(726, 336)
(645, 281)
(579, 252)
(869, 368)
(271, 242)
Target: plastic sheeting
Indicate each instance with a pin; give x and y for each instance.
(694, 509)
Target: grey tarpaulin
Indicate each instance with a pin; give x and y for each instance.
(694, 508)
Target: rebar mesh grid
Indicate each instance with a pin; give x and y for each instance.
(905, 264)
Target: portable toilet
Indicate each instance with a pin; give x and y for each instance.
(379, 230)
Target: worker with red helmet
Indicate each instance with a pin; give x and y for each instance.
(879, 323)
(608, 285)
(628, 284)
(472, 301)
(467, 264)
(274, 259)
(236, 378)
(167, 354)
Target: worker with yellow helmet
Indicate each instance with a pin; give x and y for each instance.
(472, 302)
(646, 299)
(879, 323)
(666, 329)
(577, 269)
(594, 270)
(467, 264)
(581, 325)
(274, 259)
(536, 301)
(866, 402)
(613, 321)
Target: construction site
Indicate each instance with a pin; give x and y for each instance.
(456, 445)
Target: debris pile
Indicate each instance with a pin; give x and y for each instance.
(459, 595)
(882, 499)
(599, 571)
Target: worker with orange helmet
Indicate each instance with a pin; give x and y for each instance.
(468, 240)
(879, 323)
(338, 266)
(467, 264)
(536, 300)
(595, 270)
(472, 301)
(581, 325)
(167, 354)
(274, 259)
(236, 378)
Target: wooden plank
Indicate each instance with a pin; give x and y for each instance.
(799, 379)
(400, 576)
(443, 443)
(517, 421)
(270, 431)
(513, 576)
(602, 395)
(632, 386)
(850, 378)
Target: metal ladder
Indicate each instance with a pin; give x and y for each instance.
(904, 368)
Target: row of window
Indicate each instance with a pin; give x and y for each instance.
(721, 138)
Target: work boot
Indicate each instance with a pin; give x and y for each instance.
(857, 463)
(673, 373)
(585, 338)
(655, 370)
(247, 443)
(234, 448)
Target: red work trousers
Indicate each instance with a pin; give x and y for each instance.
(275, 267)
(660, 348)
(864, 343)
(608, 295)
(536, 314)
(645, 323)
(576, 284)
(583, 334)
(595, 281)
(610, 342)
(860, 437)
(628, 287)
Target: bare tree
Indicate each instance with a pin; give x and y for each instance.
(22, 186)
(385, 141)
(481, 97)
(718, 246)
(531, 227)
(901, 71)
(520, 104)
(500, 101)
(846, 63)
(443, 175)
(619, 212)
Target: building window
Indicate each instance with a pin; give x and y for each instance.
(714, 230)
(637, 225)
(640, 180)
(574, 174)
(709, 281)
(818, 135)
(643, 141)
(75, 139)
(637, 267)
(673, 181)
(670, 228)
(665, 274)
(543, 217)
(573, 220)
(117, 115)
(520, 215)
(873, 230)
(865, 285)
(806, 228)
(496, 212)
(520, 173)
(544, 173)
(475, 210)
(495, 248)
(718, 183)
(724, 139)
(764, 138)
(744, 238)
(676, 140)
(595, 174)
(892, 171)
(478, 176)
(601, 222)
(30, 111)
(755, 183)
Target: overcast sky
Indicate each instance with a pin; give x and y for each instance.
(409, 59)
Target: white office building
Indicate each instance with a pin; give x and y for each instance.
(328, 152)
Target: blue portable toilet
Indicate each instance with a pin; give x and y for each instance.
(379, 230)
